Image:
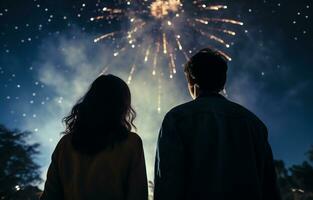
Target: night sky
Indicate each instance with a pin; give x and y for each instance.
(48, 58)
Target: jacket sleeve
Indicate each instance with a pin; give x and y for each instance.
(137, 187)
(270, 185)
(53, 188)
(169, 163)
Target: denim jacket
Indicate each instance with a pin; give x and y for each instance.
(212, 148)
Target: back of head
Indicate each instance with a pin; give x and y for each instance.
(102, 117)
(207, 69)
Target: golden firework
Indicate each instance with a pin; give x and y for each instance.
(161, 8)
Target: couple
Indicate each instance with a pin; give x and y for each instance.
(209, 148)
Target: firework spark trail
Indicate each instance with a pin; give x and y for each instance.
(206, 21)
(164, 43)
(215, 7)
(170, 70)
(180, 47)
(229, 32)
(215, 38)
(173, 65)
(147, 54)
(112, 13)
(225, 55)
(186, 55)
(137, 27)
(105, 70)
(230, 21)
(116, 53)
(159, 94)
(155, 60)
(104, 37)
(130, 33)
(233, 33)
(97, 18)
(130, 77)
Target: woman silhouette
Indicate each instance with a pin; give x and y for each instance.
(99, 157)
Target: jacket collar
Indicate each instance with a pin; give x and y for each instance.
(210, 94)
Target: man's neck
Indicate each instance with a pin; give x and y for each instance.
(204, 93)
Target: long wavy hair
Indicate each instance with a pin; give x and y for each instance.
(102, 117)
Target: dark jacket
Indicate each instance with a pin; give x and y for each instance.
(212, 148)
(114, 174)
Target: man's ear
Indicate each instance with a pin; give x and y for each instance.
(196, 90)
(190, 80)
(193, 90)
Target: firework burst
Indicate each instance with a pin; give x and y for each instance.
(162, 31)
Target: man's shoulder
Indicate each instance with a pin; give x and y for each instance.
(180, 109)
(246, 113)
(220, 107)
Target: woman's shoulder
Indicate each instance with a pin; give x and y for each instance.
(63, 142)
(134, 140)
(134, 137)
(134, 145)
(65, 139)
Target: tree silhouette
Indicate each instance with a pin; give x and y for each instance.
(18, 170)
(296, 183)
(284, 180)
(302, 176)
(310, 154)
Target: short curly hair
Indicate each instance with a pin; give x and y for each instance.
(207, 69)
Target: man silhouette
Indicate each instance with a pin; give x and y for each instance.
(212, 148)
